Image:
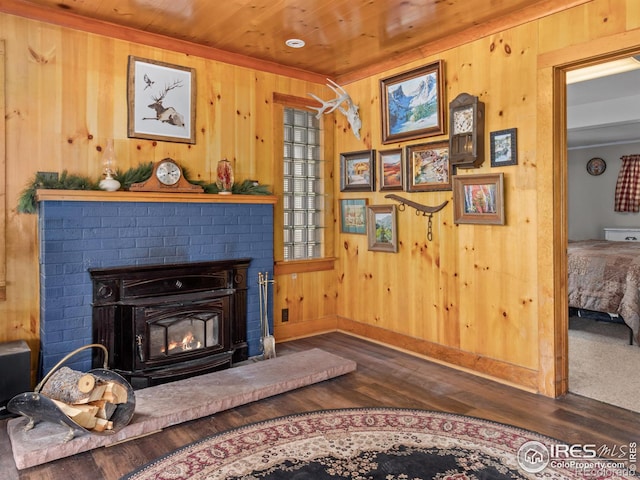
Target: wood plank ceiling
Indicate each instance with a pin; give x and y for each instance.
(344, 39)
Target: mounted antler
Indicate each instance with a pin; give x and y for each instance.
(351, 112)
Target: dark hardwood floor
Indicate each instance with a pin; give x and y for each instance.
(384, 377)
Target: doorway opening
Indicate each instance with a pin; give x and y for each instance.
(602, 125)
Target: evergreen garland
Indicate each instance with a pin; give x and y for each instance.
(134, 175)
(27, 201)
(247, 187)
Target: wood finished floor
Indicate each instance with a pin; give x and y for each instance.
(384, 377)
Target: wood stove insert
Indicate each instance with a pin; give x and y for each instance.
(162, 323)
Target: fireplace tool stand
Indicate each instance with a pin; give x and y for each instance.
(267, 341)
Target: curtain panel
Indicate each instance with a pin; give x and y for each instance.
(628, 185)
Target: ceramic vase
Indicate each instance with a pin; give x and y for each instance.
(224, 177)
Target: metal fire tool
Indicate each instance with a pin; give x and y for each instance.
(267, 341)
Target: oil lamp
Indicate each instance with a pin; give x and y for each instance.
(109, 183)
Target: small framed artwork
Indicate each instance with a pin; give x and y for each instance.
(381, 228)
(504, 148)
(428, 167)
(161, 100)
(391, 169)
(357, 171)
(413, 103)
(353, 215)
(478, 199)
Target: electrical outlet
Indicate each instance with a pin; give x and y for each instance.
(285, 315)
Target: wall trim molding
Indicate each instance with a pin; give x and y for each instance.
(126, 196)
(493, 369)
(3, 180)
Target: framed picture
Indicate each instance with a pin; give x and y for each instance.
(161, 101)
(504, 148)
(357, 171)
(413, 104)
(428, 167)
(478, 198)
(391, 169)
(353, 215)
(381, 228)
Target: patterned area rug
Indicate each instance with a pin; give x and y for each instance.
(375, 443)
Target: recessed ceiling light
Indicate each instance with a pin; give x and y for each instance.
(295, 43)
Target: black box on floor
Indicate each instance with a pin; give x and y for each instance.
(15, 372)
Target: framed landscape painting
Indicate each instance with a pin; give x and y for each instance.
(381, 228)
(391, 169)
(504, 148)
(428, 167)
(478, 199)
(357, 171)
(353, 215)
(413, 104)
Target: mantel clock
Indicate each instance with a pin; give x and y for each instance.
(466, 131)
(167, 176)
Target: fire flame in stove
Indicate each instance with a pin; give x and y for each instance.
(188, 342)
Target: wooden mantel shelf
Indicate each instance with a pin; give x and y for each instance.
(123, 196)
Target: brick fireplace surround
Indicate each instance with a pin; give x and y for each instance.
(79, 230)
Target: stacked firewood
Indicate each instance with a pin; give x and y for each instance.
(84, 398)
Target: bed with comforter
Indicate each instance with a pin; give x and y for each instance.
(604, 276)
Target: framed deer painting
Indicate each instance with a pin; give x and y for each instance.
(161, 101)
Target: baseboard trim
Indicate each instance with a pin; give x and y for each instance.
(504, 372)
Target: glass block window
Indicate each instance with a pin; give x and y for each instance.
(303, 196)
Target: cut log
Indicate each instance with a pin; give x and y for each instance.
(86, 383)
(115, 393)
(68, 385)
(102, 425)
(105, 409)
(94, 395)
(83, 418)
(91, 408)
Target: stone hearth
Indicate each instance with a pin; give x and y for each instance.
(169, 404)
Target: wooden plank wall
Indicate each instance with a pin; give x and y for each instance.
(477, 296)
(3, 183)
(66, 95)
(482, 297)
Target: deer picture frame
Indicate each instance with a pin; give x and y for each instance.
(161, 100)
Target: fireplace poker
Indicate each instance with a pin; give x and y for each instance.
(267, 342)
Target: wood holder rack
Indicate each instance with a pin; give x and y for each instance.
(38, 407)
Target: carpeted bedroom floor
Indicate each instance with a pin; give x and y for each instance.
(602, 364)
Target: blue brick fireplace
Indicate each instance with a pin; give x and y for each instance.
(77, 235)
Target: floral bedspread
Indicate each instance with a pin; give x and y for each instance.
(605, 276)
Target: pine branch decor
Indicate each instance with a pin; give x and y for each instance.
(134, 175)
(27, 202)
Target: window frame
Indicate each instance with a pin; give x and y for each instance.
(327, 259)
